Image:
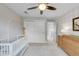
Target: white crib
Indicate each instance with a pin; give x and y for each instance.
(14, 48)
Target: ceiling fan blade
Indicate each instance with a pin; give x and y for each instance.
(32, 8)
(51, 8)
(41, 12)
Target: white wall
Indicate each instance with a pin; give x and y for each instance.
(65, 23)
(10, 24)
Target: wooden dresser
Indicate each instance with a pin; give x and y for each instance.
(69, 44)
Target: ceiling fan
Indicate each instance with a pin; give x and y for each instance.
(42, 7)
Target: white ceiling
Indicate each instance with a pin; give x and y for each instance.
(62, 8)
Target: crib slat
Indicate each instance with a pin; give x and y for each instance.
(12, 48)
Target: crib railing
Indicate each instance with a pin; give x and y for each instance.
(4, 49)
(7, 49)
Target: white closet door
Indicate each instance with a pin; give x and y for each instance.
(35, 31)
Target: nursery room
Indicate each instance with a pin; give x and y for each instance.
(39, 29)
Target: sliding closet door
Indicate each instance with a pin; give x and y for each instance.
(35, 31)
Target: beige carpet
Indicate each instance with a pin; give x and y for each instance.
(44, 50)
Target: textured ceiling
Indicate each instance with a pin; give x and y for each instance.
(62, 8)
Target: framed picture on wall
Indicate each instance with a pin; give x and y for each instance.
(76, 24)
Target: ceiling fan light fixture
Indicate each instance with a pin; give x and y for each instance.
(42, 7)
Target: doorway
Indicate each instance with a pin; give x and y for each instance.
(51, 31)
(35, 31)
